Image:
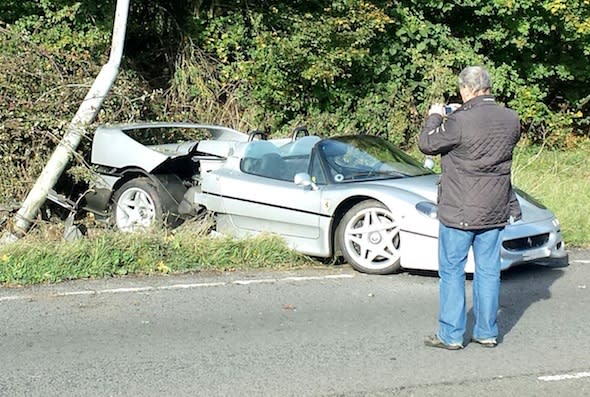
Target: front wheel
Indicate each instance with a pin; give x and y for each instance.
(369, 237)
(137, 206)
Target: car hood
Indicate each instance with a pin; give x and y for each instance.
(426, 186)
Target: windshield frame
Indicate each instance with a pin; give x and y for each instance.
(362, 158)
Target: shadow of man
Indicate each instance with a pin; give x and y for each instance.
(521, 287)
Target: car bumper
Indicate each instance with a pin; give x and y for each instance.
(538, 242)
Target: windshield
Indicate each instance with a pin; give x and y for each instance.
(366, 157)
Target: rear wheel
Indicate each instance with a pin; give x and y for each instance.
(369, 237)
(137, 206)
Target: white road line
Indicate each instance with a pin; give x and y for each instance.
(190, 286)
(176, 287)
(249, 282)
(553, 378)
(310, 278)
(75, 293)
(581, 261)
(13, 298)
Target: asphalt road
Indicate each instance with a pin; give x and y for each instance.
(320, 332)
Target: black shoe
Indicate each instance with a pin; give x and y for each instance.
(488, 342)
(433, 341)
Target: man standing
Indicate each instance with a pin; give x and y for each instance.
(475, 202)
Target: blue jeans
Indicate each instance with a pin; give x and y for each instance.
(453, 247)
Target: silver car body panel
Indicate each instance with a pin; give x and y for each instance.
(112, 147)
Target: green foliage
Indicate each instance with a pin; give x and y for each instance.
(544, 45)
(13, 10)
(42, 83)
(562, 185)
(334, 66)
(341, 66)
(68, 29)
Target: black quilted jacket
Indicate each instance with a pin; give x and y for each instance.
(475, 143)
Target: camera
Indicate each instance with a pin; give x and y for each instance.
(451, 107)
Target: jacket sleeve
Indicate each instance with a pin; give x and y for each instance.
(439, 136)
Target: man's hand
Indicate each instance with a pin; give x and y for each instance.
(437, 108)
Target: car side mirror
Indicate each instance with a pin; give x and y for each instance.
(304, 179)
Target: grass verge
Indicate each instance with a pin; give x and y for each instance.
(561, 181)
(110, 253)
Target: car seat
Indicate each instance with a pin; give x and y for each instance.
(272, 165)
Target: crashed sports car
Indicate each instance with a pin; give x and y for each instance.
(358, 197)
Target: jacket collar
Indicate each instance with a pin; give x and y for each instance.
(480, 99)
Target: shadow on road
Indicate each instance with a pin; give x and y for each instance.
(521, 287)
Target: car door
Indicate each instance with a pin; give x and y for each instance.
(262, 204)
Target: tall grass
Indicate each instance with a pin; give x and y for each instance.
(561, 181)
(109, 253)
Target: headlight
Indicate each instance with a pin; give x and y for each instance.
(556, 223)
(427, 208)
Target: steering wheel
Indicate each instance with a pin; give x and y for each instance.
(299, 130)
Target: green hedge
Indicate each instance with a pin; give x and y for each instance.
(341, 66)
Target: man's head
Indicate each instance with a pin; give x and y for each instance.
(474, 81)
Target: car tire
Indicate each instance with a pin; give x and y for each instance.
(137, 206)
(368, 236)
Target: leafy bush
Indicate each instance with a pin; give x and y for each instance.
(358, 66)
(42, 83)
(343, 66)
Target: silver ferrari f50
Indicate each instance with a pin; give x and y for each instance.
(359, 197)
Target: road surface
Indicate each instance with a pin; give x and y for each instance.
(316, 332)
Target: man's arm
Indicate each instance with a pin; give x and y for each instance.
(439, 136)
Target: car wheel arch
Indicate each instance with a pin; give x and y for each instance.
(169, 187)
(128, 174)
(341, 210)
(161, 181)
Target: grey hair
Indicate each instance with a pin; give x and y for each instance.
(476, 78)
